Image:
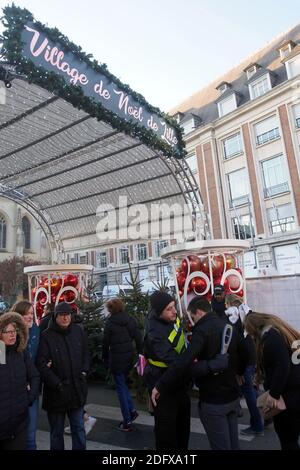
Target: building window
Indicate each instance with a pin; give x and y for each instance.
(274, 176)
(102, 259)
(266, 130)
(293, 67)
(191, 160)
(143, 275)
(251, 71)
(285, 51)
(223, 88)
(83, 259)
(124, 255)
(125, 277)
(160, 245)
(26, 228)
(227, 105)
(296, 114)
(188, 126)
(243, 227)
(141, 252)
(2, 232)
(232, 146)
(260, 86)
(238, 188)
(281, 219)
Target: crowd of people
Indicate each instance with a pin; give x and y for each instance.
(232, 350)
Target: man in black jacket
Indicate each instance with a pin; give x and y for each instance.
(63, 362)
(164, 343)
(218, 392)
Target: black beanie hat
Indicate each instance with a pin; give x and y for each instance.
(61, 308)
(159, 300)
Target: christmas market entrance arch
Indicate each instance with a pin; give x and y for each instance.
(73, 137)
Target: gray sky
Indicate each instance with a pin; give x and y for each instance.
(167, 49)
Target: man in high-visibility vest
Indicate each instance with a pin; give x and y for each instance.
(164, 342)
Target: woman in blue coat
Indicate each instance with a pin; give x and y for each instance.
(25, 309)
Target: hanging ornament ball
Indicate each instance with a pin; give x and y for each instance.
(181, 277)
(233, 282)
(70, 280)
(240, 293)
(184, 266)
(198, 285)
(44, 282)
(195, 263)
(204, 265)
(56, 283)
(230, 261)
(69, 296)
(217, 265)
(180, 293)
(41, 297)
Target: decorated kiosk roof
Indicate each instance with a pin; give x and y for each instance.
(72, 136)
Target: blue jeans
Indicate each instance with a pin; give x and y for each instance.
(250, 394)
(124, 396)
(32, 426)
(57, 423)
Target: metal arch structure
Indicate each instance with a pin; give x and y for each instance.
(190, 189)
(59, 162)
(16, 182)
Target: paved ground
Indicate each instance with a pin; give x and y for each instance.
(102, 403)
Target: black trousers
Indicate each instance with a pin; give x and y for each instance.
(18, 443)
(172, 417)
(287, 427)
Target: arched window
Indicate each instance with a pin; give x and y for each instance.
(26, 232)
(2, 232)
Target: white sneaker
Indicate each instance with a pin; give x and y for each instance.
(89, 424)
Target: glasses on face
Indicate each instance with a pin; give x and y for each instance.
(10, 332)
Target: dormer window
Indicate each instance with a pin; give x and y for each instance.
(260, 86)
(227, 105)
(222, 87)
(188, 126)
(178, 116)
(251, 70)
(293, 66)
(190, 122)
(286, 48)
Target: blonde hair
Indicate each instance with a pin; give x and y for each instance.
(233, 300)
(256, 322)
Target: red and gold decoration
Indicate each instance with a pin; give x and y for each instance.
(54, 284)
(200, 266)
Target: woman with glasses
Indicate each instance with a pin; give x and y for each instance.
(25, 308)
(19, 382)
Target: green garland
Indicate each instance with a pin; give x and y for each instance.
(14, 20)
